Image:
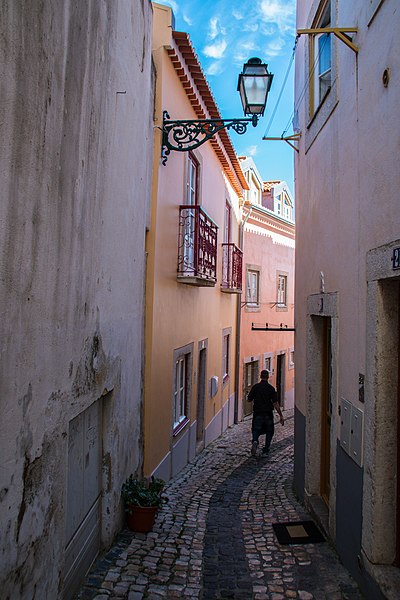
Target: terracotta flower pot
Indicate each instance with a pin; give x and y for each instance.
(141, 518)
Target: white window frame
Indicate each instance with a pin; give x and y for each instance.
(281, 291)
(252, 286)
(182, 377)
(226, 351)
(318, 115)
(291, 358)
(268, 362)
(227, 222)
(321, 45)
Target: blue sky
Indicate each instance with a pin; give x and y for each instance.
(225, 34)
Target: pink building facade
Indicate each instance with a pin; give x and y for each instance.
(267, 307)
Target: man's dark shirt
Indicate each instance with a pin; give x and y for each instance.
(263, 394)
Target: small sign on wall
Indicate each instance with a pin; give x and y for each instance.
(396, 258)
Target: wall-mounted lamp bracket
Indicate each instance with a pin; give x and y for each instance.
(183, 136)
(289, 139)
(340, 32)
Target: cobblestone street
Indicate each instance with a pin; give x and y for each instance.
(214, 538)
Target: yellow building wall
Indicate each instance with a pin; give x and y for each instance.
(178, 314)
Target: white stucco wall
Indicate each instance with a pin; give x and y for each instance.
(75, 159)
(347, 182)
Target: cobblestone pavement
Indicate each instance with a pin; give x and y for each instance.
(214, 538)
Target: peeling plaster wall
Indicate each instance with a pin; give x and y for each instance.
(75, 160)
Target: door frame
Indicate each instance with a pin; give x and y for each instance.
(254, 360)
(321, 305)
(201, 393)
(379, 540)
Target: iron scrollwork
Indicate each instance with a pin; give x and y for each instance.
(183, 136)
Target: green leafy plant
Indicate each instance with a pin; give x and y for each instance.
(143, 492)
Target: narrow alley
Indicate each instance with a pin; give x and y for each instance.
(214, 538)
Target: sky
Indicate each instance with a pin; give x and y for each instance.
(225, 34)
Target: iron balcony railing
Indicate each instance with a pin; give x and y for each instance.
(232, 260)
(197, 247)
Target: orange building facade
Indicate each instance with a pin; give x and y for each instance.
(194, 269)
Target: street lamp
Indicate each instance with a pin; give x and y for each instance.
(253, 85)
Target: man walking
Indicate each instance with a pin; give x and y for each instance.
(265, 399)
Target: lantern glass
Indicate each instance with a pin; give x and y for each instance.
(253, 85)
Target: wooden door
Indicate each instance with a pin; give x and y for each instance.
(250, 377)
(280, 378)
(201, 393)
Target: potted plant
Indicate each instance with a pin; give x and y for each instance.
(142, 498)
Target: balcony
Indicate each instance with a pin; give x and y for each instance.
(232, 259)
(197, 247)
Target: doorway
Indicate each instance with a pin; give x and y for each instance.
(251, 376)
(326, 407)
(280, 378)
(201, 394)
(83, 505)
(397, 561)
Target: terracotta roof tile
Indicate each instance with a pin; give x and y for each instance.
(225, 148)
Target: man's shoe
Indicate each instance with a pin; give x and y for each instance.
(265, 450)
(254, 448)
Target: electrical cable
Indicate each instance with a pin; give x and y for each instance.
(282, 88)
(305, 87)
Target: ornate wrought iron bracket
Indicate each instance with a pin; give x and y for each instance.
(183, 136)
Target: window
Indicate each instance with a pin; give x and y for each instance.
(227, 223)
(180, 400)
(374, 6)
(282, 290)
(279, 204)
(182, 387)
(320, 58)
(192, 181)
(322, 76)
(291, 358)
(225, 356)
(268, 364)
(252, 287)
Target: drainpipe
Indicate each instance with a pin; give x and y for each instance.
(238, 324)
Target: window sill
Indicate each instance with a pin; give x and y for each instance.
(281, 308)
(252, 308)
(178, 428)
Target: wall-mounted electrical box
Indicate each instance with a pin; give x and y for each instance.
(351, 431)
(213, 386)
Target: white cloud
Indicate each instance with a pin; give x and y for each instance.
(216, 50)
(251, 27)
(213, 30)
(249, 45)
(188, 20)
(275, 46)
(215, 68)
(252, 150)
(237, 15)
(281, 13)
(174, 5)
